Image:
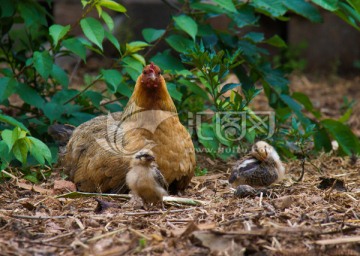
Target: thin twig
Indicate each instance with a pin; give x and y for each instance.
(302, 170)
(171, 5)
(156, 212)
(38, 217)
(106, 234)
(57, 237)
(138, 233)
(83, 90)
(41, 243)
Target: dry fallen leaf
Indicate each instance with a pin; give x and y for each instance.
(63, 186)
(218, 244)
(283, 202)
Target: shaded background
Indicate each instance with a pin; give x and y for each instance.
(329, 47)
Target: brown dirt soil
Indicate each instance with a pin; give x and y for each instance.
(294, 218)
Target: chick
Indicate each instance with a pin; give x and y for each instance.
(260, 168)
(144, 178)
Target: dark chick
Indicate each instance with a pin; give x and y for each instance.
(144, 178)
(260, 168)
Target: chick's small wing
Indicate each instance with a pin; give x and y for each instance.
(160, 178)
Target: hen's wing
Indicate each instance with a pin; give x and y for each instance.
(92, 161)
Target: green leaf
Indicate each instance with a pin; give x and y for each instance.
(296, 107)
(12, 121)
(60, 76)
(304, 9)
(7, 8)
(168, 62)
(99, 9)
(53, 111)
(245, 16)
(124, 89)
(108, 20)
(226, 4)
(113, 40)
(95, 97)
(32, 178)
(32, 13)
(20, 150)
(209, 8)
(43, 63)
(346, 116)
(254, 37)
(6, 155)
(305, 101)
(93, 30)
(133, 67)
(276, 41)
(7, 87)
(193, 87)
(228, 87)
(330, 5)
(151, 34)
(273, 7)
(39, 150)
(112, 5)
(173, 91)
(322, 140)
(348, 14)
(139, 58)
(348, 142)
(354, 4)
(112, 78)
(30, 96)
(135, 46)
(76, 46)
(57, 32)
(179, 43)
(7, 136)
(187, 24)
(206, 135)
(79, 118)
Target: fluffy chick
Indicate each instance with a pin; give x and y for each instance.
(144, 178)
(260, 168)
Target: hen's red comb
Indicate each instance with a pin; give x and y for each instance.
(152, 67)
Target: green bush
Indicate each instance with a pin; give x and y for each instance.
(30, 47)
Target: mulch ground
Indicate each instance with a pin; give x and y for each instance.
(319, 215)
(316, 216)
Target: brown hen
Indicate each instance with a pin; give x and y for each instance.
(99, 152)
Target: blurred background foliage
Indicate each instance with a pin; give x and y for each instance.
(196, 58)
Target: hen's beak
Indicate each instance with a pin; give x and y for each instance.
(152, 76)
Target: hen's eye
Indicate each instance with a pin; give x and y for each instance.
(144, 72)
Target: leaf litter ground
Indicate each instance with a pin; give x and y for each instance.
(318, 216)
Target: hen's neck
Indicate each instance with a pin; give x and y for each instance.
(157, 98)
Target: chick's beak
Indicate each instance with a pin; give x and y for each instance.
(150, 158)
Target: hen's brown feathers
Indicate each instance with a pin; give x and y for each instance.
(98, 154)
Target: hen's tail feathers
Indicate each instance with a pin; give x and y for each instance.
(61, 133)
